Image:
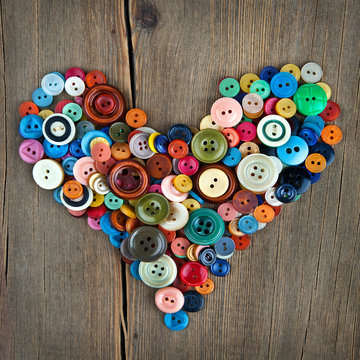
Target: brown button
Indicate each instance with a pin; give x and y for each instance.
(120, 151)
(159, 166)
(245, 201)
(248, 148)
(132, 224)
(118, 220)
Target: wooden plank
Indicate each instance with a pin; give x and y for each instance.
(64, 280)
(295, 293)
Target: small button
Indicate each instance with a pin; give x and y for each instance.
(241, 242)
(139, 146)
(273, 130)
(79, 204)
(220, 268)
(159, 166)
(152, 209)
(41, 98)
(68, 165)
(177, 321)
(226, 112)
(267, 73)
(112, 202)
(286, 193)
(161, 144)
(120, 151)
(134, 269)
(253, 106)
(76, 72)
(311, 72)
(194, 301)
(206, 288)
(269, 106)
(191, 205)
(227, 211)
(331, 111)
(261, 87)
(183, 183)
(245, 201)
(31, 151)
(208, 123)
(178, 149)
(188, 165)
(74, 86)
(229, 87)
(83, 169)
(232, 157)
(271, 198)
(285, 108)
(45, 113)
(315, 163)
(101, 152)
(326, 88)
(224, 247)
(180, 132)
(248, 224)
(169, 300)
(247, 80)
(248, 148)
(207, 256)
(31, 127)
(283, 85)
(95, 77)
(52, 84)
(264, 214)
(292, 69)
(325, 150)
(179, 247)
(247, 131)
(136, 118)
(28, 108)
(48, 174)
(232, 137)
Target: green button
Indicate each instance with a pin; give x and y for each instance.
(205, 227)
(152, 209)
(229, 87)
(260, 87)
(73, 111)
(112, 202)
(209, 146)
(310, 99)
(119, 132)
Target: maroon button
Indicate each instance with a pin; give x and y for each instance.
(331, 111)
(245, 201)
(105, 104)
(193, 273)
(179, 284)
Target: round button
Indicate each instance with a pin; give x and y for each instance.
(79, 204)
(31, 151)
(267, 73)
(273, 130)
(220, 268)
(264, 213)
(248, 224)
(72, 189)
(286, 193)
(232, 136)
(232, 157)
(136, 118)
(227, 211)
(180, 132)
(269, 106)
(170, 192)
(193, 273)
(41, 98)
(292, 69)
(208, 123)
(247, 131)
(52, 84)
(30, 127)
(194, 301)
(177, 218)
(169, 300)
(191, 205)
(118, 220)
(245, 201)
(260, 87)
(271, 198)
(325, 150)
(188, 165)
(331, 111)
(207, 256)
(58, 129)
(28, 108)
(183, 183)
(112, 202)
(74, 86)
(206, 288)
(226, 112)
(294, 152)
(179, 247)
(331, 134)
(311, 72)
(229, 87)
(119, 132)
(285, 108)
(159, 166)
(308, 135)
(95, 77)
(178, 149)
(247, 80)
(177, 321)
(241, 242)
(224, 247)
(152, 209)
(83, 169)
(315, 163)
(73, 111)
(75, 72)
(48, 174)
(310, 99)
(248, 148)
(139, 146)
(326, 88)
(283, 85)
(252, 105)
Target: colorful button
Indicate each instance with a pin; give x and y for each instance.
(169, 300)
(331, 111)
(220, 268)
(31, 151)
(292, 69)
(315, 163)
(152, 209)
(331, 134)
(208, 123)
(285, 108)
(226, 112)
(207, 256)
(310, 99)
(74, 86)
(224, 247)
(248, 224)
(183, 183)
(229, 87)
(41, 98)
(31, 127)
(52, 84)
(213, 183)
(206, 288)
(252, 105)
(311, 72)
(58, 129)
(283, 85)
(247, 80)
(273, 131)
(294, 152)
(245, 201)
(261, 87)
(177, 321)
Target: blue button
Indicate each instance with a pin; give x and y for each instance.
(88, 137)
(176, 321)
(224, 247)
(260, 200)
(106, 226)
(239, 97)
(106, 130)
(295, 125)
(316, 119)
(193, 301)
(285, 193)
(75, 149)
(41, 98)
(83, 127)
(56, 195)
(68, 165)
(53, 84)
(196, 197)
(180, 131)
(267, 73)
(294, 152)
(314, 177)
(232, 157)
(296, 176)
(248, 224)
(31, 127)
(325, 150)
(134, 269)
(308, 135)
(220, 268)
(161, 144)
(55, 151)
(283, 85)
(314, 127)
(59, 74)
(116, 239)
(207, 256)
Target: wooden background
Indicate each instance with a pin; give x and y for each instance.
(65, 294)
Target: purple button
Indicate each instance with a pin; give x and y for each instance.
(31, 151)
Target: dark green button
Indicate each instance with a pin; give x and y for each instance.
(229, 87)
(152, 209)
(119, 132)
(205, 227)
(147, 243)
(310, 99)
(209, 146)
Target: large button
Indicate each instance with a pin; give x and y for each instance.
(294, 152)
(310, 99)
(31, 151)
(52, 84)
(193, 273)
(296, 176)
(159, 166)
(31, 127)
(245, 201)
(273, 130)
(58, 129)
(169, 300)
(152, 209)
(177, 321)
(169, 191)
(177, 219)
(147, 243)
(48, 174)
(283, 85)
(224, 247)
(205, 227)
(209, 146)
(311, 72)
(226, 112)
(194, 301)
(220, 268)
(159, 273)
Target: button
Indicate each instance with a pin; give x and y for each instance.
(232, 157)
(120, 151)
(283, 85)
(31, 151)
(136, 118)
(208, 123)
(188, 165)
(209, 146)
(94, 224)
(119, 132)
(83, 127)
(177, 321)
(45, 113)
(139, 146)
(331, 111)
(131, 224)
(316, 120)
(311, 72)
(147, 243)
(159, 273)
(97, 200)
(152, 209)
(161, 144)
(112, 202)
(326, 88)
(83, 169)
(273, 130)
(308, 135)
(180, 132)
(213, 183)
(170, 192)
(220, 268)
(234, 229)
(28, 108)
(31, 127)
(245, 201)
(178, 149)
(271, 198)
(96, 212)
(296, 176)
(179, 247)
(169, 300)
(224, 247)
(125, 252)
(134, 269)
(177, 218)
(183, 183)
(152, 142)
(248, 224)
(74, 86)
(315, 163)
(41, 98)
(241, 242)
(76, 72)
(285, 108)
(294, 152)
(207, 256)
(118, 220)
(325, 150)
(206, 288)
(159, 166)
(246, 81)
(48, 174)
(58, 129)
(257, 173)
(73, 111)
(95, 77)
(261, 87)
(292, 69)
(226, 112)
(252, 105)
(310, 99)
(52, 84)
(286, 193)
(232, 136)
(247, 131)
(227, 211)
(81, 203)
(248, 148)
(68, 165)
(194, 301)
(264, 214)
(229, 87)
(101, 152)
(205, 227)
(191, 205)
(268, 72)
(128, 211)
(269, 106)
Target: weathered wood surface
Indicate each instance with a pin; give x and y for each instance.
(294, 294)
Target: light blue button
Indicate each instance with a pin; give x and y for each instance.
(248, 224)
(283, 85)
(68, 165)
(53, 83)
(294, 152)
(176, 321)
(232, 157)
(41, 98)
(31, 127)
(55, 151)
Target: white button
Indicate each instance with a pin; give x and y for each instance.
(146, 130)
(213, 183)
(273, 130)
(48, 174)
(257, 173)
(261, 225)
(208, 123)
(78, 204)
(58, 129)
(311, 72)
(177, 219)
(278, 163)
(139, 146)
(52, 84)
(101, 185)
(271, 198)
(74, 86)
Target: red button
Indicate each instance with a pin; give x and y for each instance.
(170, 235)
(96, 212)
(60, 105)
(27, 108)
(232, 136)
(95, 77)
(241, 242)
(179, 284)
(193, 273)
(178, 149)
(105, 104)
(331, 111)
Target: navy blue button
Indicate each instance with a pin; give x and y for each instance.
(207, 256)
(314, 177)
(224, 247)
(267, 150)
(248, 224)
(68, 165)
(283, 85)
(176, 321)
(285, 193)
(267, 73)
(325, 150)
(220, 268)
(308, 135)
(239, 97)
(75, 149)
(31, 127)
(106, 130)
(134, 269)
(161, 144)
(296, 176)
(314, 127)
(180, 131)
(232, 157)
(295, 125)
(56, 195)
(260, 200)
(55, 151)
(41, 98)
(193, 301)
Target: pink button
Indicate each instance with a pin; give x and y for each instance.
(227, 211)
(169, 299)
(94, 223)
(60, 105)
(31, 151)
(83, 169)
(169, 191)
(77, 213)
(226, 112)
(188, 165)
(101, 152)
(269, 106)
(155, 188)
(104, 166)
(247, 131)
(253, 104)
(179, 246)
(75, 71)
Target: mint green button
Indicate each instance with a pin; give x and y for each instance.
(229, 87)
(310, 99)
(73, 111)
(112, 202)
(260, 87)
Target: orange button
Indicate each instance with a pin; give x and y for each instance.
(101, 152)
(120, 151)
(170, 235)
(27, 108)
(264, 213)
(118, 220)
(136, 118)
(132, 224)
(178, 149)
(331, 134)
(95, 77)
(179, 246)
(232, 136)
(72, 189)
(241, 242)
(206, 288)
(315, 163)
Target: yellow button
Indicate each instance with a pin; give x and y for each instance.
(248, 148)
(292, 69)
(183, 183)
(45, 113)
(97, 140)
(208, 123)
(151, 141)
(191, 205)
(213, 183)
(190, 252)
(325, 87)
(97, 200)
(285, 108)
(128, 211)
(246, 81)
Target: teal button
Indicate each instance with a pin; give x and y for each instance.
(260, 87)
(229, 87)
(152, 209)
(310, 99)
(112, 202)
(73, 111)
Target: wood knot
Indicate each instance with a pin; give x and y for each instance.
(147, 15)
